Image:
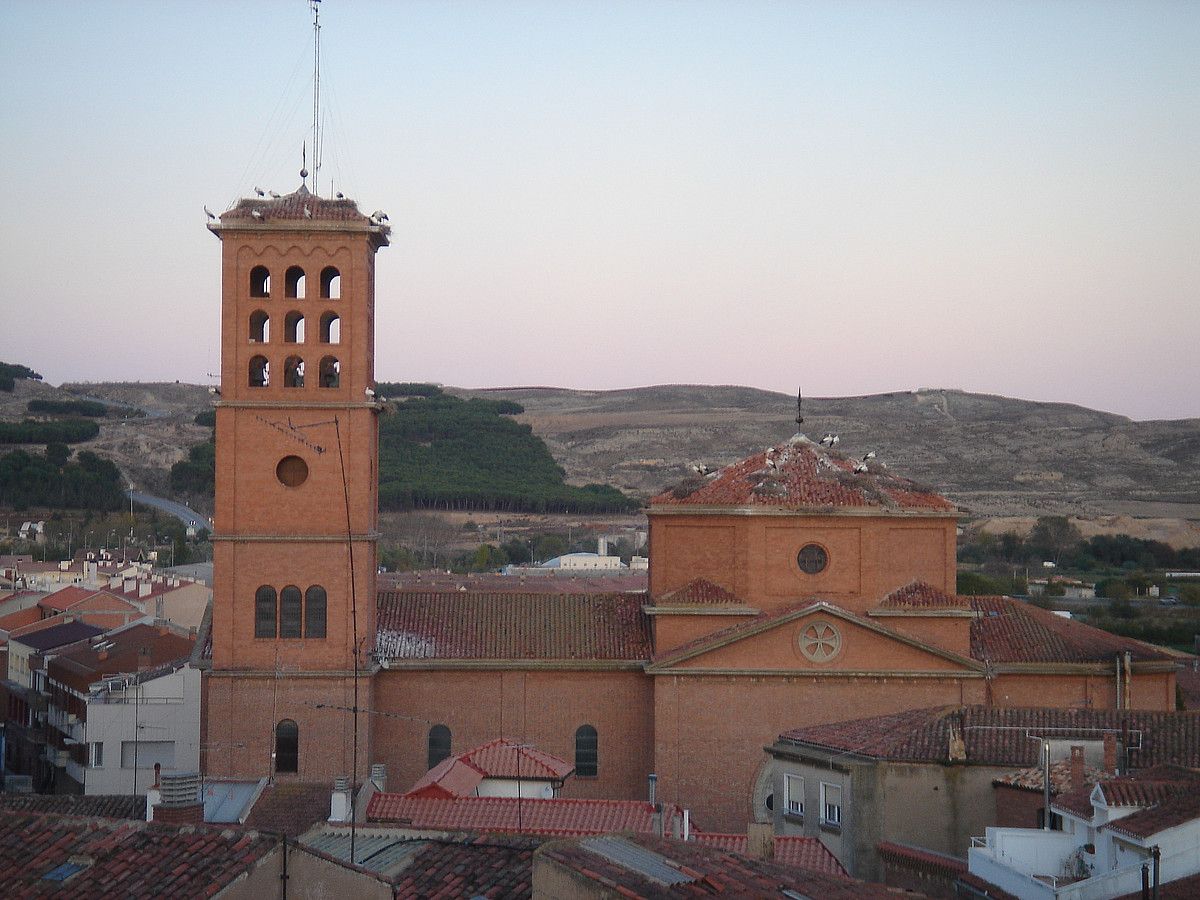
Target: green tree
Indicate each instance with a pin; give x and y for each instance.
(1053, 537)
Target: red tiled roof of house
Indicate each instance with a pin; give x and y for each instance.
(1188, 679)
(415, 625)
(1179, 804)
(1032, 778)
(292, 207)
(1179, 889)
(921, 859)
(510, 814)
(802, 852)
(65, 598)
(290, 808)
(460, 775)
(800, 474)
(120, 652)
(1000, 736)
(1011, 631)
(127, 858)
(921, 595)
(105, 806)
(483, 865)
(20, 618)
(699, 592)
(617, 862)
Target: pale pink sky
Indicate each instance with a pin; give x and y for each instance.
(856, 197)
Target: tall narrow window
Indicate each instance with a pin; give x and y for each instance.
(314, 612)
(587, 752)
(793, 791)
(293, 328)
(264, 612)
(293, 372)
(260, 327)
(289, 612)
(293, 282)
(439, 744)
(260, 282)
(331, 328)
(331, 372)
(287, 746)
(331, 283)
(831, 804)
(260, 371)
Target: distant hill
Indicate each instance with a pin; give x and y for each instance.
(995, 456)
(992, 455)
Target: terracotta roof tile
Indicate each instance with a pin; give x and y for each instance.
(20, 618)
(921, 859)
(116, 806)
(1000, 736)
(460, 775)
(921, 595)
(290, 808)
(1033, 779)
(547, 581)
(800, 474)
(612, 861)
(65, 598)
(699, 592)
(415, 625)
(1010, 631)
(125, 651)
(494, 866)
(1165, 805)
(802, 852)
(129, 859)
(508, 814)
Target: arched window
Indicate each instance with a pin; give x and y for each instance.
(331, 372)
(260, 282)
(587, 752)
(293, 372)
(287, 746)
(260, 327)
(264, 612)
(293, 282)
(260, 371)
(331, 283)
(314, 612)
(289, 612)
(331, 328)
(293, 328)
(439, 744)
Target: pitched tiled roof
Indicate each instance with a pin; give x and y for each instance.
(1032, 778)
(699, 592)
(414, 625)
(128, 859)
(290, 808)
(803, 852)
(124, 651)
(65, 598)
(1175, 804)
(116, 806)
(21, 617)
(558, 816)
(920, 595)
(1000, 736)
(492, 866)
(542, 581)
(640, 866)
(291, 207)
(800, 474)
(1010, 631)
(460, 775)
(920, 859)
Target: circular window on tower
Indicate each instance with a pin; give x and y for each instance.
(292, 471)
(812, 559)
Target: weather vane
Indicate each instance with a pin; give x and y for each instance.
(799, 403)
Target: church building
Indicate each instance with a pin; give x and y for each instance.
(793, 588)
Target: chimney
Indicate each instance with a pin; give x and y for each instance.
(101, 655)
(181, 804)
(144, 589)
(339, 801)
(653, 788)
(128, 585)
(760, 841)
(1110, 753)
(1077, 768)
(379, 776)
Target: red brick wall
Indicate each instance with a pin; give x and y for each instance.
(1017, 808)
(543, 708)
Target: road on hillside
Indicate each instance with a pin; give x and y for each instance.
(185, 514)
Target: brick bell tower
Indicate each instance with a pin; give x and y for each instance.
(295, 531)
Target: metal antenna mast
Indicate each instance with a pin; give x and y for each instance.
(315, 6)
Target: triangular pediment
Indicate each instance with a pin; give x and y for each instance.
(817, 637)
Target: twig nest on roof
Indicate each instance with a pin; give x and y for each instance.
(688, 486)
